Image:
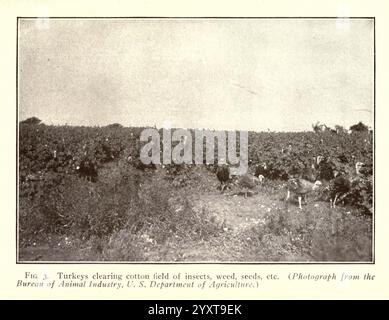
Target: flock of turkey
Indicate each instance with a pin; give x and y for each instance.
(320, 175)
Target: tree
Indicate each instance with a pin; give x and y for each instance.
(33, 121)
(317, 127)
(321, 127)
(340, 129)
(115, 126)
(360, 127)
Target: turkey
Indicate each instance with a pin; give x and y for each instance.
(87, 169)
(301, 188)
(223, 174)
(308, 174)
(361, 171)
(262, 170)
(325, 170)
(247, 182)
(340, 187)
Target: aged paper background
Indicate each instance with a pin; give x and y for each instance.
(283, 289)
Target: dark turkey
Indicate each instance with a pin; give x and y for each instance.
(88, 169)
(223, 174)
(262, 170)
(325, 171)
(339, 188)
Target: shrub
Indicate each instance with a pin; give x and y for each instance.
(321, 236)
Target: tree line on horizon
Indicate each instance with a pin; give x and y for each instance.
(316, 127)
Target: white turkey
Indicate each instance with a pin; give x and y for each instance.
(301, 188)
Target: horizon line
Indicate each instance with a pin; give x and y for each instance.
(370, 127)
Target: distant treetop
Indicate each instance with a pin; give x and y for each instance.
(115, 125)
(360, 127)
(321, 127)
(32, 120)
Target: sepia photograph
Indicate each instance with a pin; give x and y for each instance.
(195, 140)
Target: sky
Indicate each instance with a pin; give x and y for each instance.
(223, 74)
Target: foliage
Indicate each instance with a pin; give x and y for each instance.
(129, 208)
(321, 236)
(32, 121)
(360, 127)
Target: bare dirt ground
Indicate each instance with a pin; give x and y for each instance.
(236, 215)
